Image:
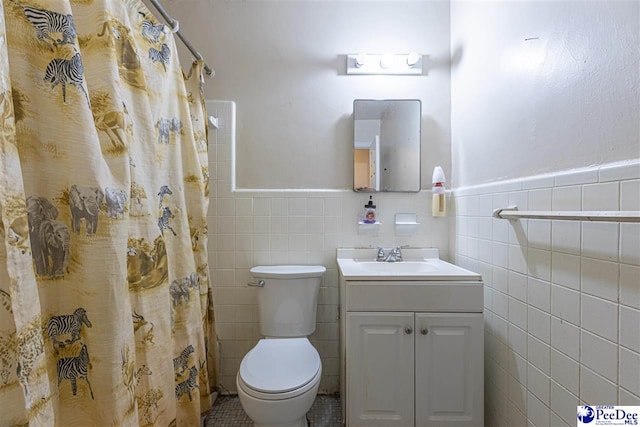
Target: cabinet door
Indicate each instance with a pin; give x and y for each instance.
(380, 356)
(449, 369)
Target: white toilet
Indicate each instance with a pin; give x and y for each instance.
(278, 378)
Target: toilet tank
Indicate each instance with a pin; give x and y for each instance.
(288, 300)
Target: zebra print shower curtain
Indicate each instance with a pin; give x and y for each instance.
(105, 309)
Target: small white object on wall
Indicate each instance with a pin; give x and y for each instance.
(406, 224)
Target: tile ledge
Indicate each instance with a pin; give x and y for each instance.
(616, 171)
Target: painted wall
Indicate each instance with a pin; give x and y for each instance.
(562, 298)
(549, 88)
(542, 86)
(283, 63)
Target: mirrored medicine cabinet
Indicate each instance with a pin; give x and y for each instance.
(386, 145)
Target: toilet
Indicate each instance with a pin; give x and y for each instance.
(278, 378)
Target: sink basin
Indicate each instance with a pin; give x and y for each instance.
(396, 268)
(419, 264)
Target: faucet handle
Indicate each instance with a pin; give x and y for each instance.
(380, 254)
(397, 252)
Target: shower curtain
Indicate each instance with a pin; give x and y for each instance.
(105, 311)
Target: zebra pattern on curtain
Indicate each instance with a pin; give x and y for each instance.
(105, 310)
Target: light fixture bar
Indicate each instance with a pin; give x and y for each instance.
(388, 63)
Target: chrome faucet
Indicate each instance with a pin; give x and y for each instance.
(393, 255)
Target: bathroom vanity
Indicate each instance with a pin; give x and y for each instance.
(411, 341)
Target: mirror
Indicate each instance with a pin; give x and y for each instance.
(386, 145)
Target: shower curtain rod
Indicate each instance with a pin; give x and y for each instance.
(175, 25)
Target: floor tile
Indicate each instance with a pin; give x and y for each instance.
(227, 412)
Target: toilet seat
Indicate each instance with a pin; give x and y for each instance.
(280, 368)
(279, 396)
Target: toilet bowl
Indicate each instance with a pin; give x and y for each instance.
(278, 381)
(279, 378)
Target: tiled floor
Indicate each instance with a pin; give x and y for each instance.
(227, 412)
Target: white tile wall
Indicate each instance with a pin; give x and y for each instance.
(563, 403)
(565, 371)
(562, 297)
(283, 227)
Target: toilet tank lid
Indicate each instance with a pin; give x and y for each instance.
(287, 271)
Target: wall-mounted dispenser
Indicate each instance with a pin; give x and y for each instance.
(438, 204)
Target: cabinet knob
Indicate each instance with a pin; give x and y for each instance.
(408, 330)
(424, 331)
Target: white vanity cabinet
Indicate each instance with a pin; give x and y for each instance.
(412, 349)
(449, 369)
(414, 369)
(380, 374)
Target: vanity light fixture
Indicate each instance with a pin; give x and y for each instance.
(388, 63)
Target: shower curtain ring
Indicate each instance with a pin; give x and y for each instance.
(176, 26)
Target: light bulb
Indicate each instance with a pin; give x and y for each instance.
(412, 59)
(386, 61)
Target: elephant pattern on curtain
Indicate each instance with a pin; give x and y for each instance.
(105, 305)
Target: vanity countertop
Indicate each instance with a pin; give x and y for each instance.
(418, 264)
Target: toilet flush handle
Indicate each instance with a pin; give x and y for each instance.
(259, 284)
